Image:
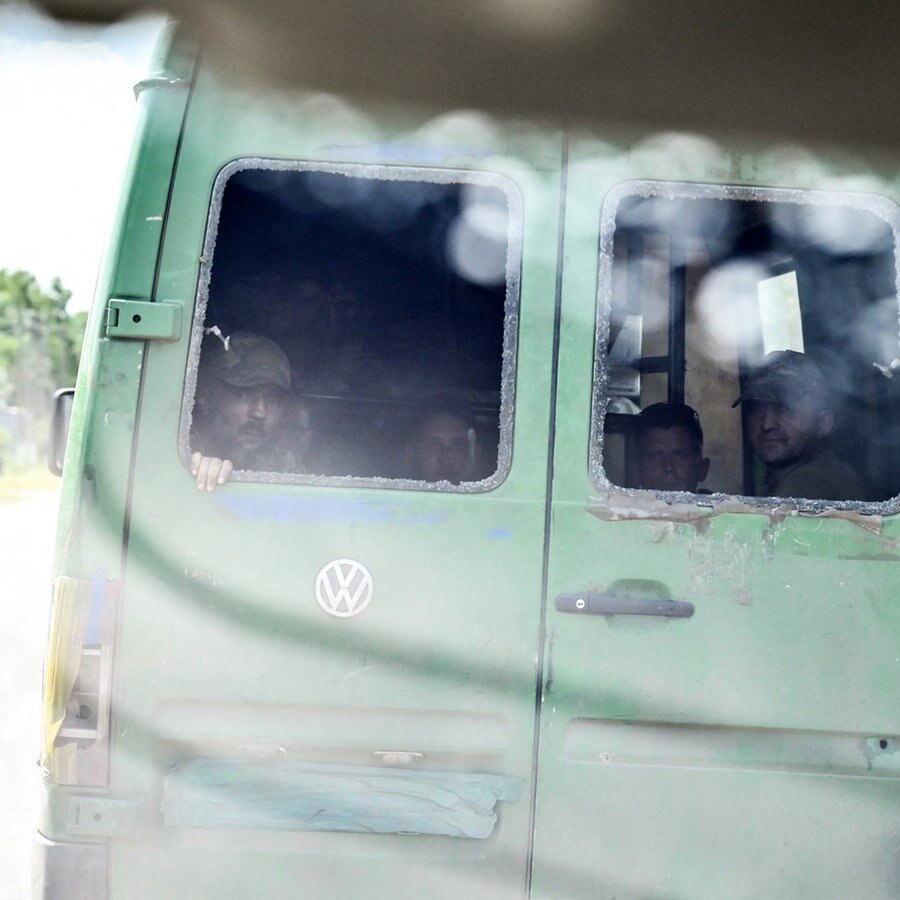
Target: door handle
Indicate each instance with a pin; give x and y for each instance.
(593, 603)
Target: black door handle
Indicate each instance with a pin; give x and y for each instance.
(591, 603)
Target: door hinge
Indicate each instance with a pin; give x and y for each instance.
(142, 320)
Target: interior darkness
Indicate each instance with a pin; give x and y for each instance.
(845, 262)
(351, 276)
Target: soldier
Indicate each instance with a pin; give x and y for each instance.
(444, 446)
(670, 448)
(790, 419)
(241, 410)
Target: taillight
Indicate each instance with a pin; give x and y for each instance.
(76, 682)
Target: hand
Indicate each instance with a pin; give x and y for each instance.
(210, 471)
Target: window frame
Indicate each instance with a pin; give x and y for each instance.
(511, 306)
(619, 501)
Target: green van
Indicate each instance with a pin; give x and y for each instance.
(518, 601)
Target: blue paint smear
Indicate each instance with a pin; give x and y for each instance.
(433, 519)
(500, 534)
(318, 510)
(284, 508)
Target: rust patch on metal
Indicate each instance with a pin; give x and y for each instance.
(624, 504)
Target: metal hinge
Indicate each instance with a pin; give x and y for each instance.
(101, 816)
(142, 320)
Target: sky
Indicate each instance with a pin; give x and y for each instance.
(68, 111)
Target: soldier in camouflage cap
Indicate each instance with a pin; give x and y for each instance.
(789, 418)
(243, 400)
(786, 376)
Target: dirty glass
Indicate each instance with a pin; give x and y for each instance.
(380, 306)
(772, 315)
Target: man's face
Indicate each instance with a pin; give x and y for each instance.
(670, 459)
(245, 421)
(444, 450)
(783, 434)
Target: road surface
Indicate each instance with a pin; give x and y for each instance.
(26, 538)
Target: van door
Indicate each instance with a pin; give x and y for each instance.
(720, 713)
(325, 675)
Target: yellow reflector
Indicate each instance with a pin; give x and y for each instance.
(67, 626)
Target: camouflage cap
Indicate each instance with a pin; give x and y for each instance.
(249, 361)
(788, 377)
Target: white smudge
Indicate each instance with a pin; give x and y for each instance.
(476, 241)
(728, 311)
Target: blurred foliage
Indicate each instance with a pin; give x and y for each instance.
(40, 343)
(21, 483)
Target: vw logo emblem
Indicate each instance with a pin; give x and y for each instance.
(344, 588)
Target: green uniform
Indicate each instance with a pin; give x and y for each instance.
(824, 477)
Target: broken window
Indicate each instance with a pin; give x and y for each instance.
(377, 307)
(772, 315)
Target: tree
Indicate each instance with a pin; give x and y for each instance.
(40, 343)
